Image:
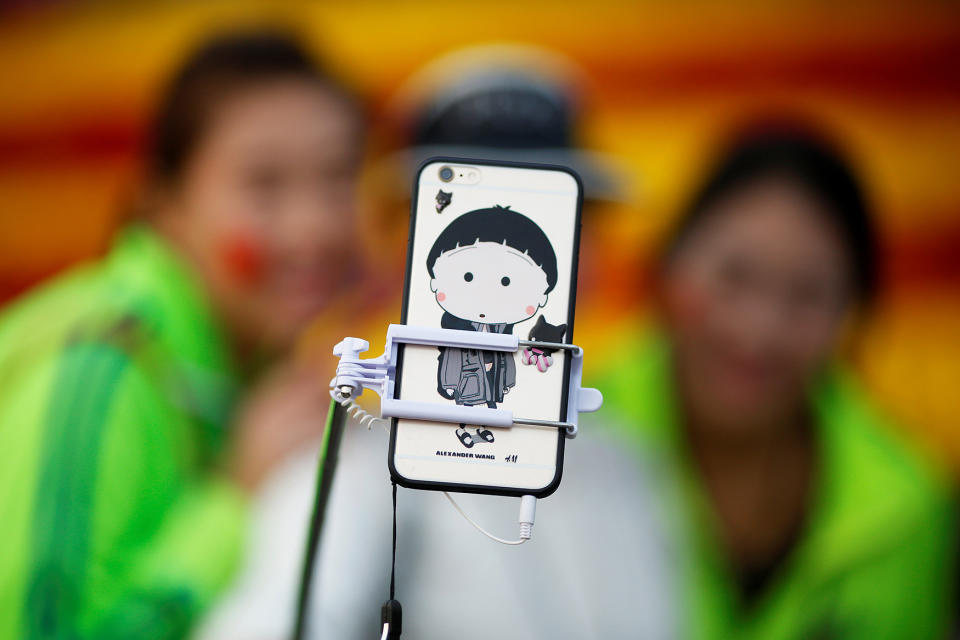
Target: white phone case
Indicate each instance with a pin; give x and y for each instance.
(493, 249)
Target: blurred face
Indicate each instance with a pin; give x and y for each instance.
(754, 300)
(265, 207)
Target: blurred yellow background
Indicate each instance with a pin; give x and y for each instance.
(663, 82)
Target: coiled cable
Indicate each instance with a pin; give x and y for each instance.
(355, 411)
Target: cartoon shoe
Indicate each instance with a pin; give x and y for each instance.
(486, 435)
(465, 438)
(543, 362)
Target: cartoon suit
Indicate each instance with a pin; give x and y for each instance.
(472, 377)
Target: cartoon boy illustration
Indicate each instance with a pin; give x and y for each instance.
(489, 269)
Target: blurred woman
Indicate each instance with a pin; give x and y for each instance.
(131, 428)
(800, 514)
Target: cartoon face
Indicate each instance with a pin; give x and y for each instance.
(489, 282)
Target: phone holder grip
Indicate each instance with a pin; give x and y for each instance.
(354, 374)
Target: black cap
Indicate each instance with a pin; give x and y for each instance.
(503, 108)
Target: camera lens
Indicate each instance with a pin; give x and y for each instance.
(446, 174)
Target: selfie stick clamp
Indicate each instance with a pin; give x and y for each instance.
(354, 374)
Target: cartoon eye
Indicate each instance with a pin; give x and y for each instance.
(505, 281)
(468, 276)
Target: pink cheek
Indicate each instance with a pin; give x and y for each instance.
(441, 296)
(530, 310)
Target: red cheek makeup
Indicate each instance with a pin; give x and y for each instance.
(243, 258)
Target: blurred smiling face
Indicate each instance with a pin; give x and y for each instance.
(489, 282)
(265, 206)
(755, 299)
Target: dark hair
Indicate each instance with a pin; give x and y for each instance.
(501, 225)
(809, 161)
(210, 75)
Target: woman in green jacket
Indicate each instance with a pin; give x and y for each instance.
(798, 512)
(126, 450)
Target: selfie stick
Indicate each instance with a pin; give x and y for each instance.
(327, 465)
(354, 374)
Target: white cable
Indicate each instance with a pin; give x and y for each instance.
(358, 413)
(478, 527)
(528, 509)
(528, 504)
(364, 417)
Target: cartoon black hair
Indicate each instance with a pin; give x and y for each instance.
(501, 225)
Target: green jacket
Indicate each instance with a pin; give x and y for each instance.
(114, 390)
(874, 560)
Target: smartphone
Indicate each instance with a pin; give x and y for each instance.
(493, 247)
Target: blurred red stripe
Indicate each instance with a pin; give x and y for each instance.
(887, 72)
(883, 72)
(924, 258)
(58, 138)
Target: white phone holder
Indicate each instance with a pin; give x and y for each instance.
(354, 374)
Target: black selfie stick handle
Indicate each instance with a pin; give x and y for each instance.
(391, 614)
(327, 466)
